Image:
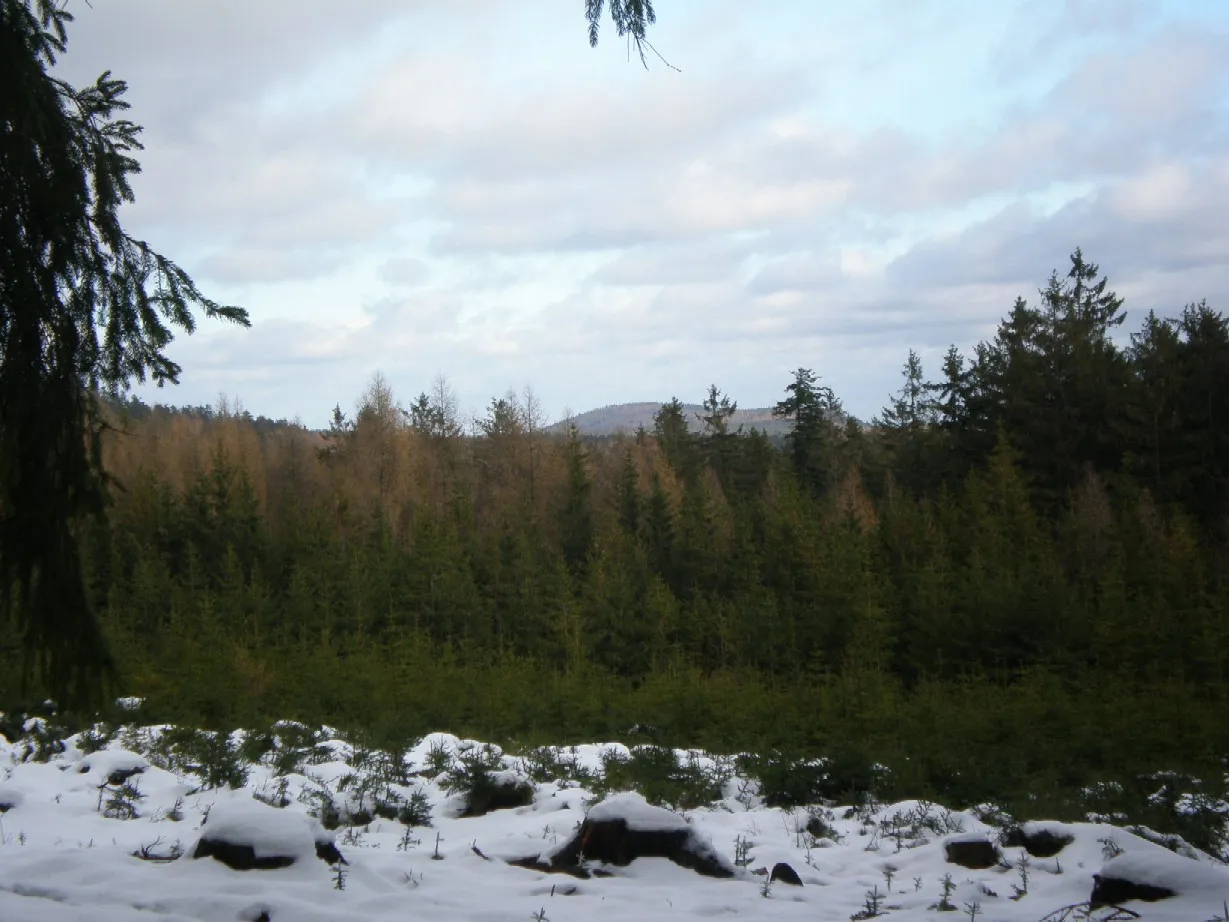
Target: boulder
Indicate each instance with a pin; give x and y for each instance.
(1039, 841)
(625, 827)
(326, 851)
(1152, 873)
(113, 766)
(971, 850)
(239, 857)
(1114, 891)
(785, 874)
(250, 835)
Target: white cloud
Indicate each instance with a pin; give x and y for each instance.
(466, 187)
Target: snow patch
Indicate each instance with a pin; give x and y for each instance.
(637, 812)
(1158, 867)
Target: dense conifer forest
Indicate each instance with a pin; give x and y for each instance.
(1015, 579)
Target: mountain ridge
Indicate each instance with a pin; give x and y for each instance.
(628, 417)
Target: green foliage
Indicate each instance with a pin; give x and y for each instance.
(95, 738)
(845, 775)
(551, 763)
(479, 775)
(119, 801)
(215, 758)
(657, 773)
(416, 811)
(42, 744)
(814, 410)
(991, 619)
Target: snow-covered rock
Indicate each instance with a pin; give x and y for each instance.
(1156, 874)
(247, 834)
(1039, 839)
(10, 798)
(112, 766)
(637, 813)
(625, 827)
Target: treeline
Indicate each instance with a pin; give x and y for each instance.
(1020, 565)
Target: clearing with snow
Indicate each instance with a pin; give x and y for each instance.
(152, 823)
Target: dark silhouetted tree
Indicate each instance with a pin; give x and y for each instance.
(85, 309)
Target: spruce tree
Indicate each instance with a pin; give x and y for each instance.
(717, 439)
(813, 409)
(675, 438)
(629, 495)
(907, 427)
(85, 309)
(576, 515)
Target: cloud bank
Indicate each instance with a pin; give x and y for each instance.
(466, 187)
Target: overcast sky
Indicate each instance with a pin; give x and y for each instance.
(465, 187)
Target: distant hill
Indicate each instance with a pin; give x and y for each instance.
(627, 417)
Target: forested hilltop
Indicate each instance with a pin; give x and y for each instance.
(1015, 579)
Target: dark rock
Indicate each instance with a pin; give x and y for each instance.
(785, 874)
(497, 795)
(6, 806)
(243, 857)
(611, 841)
(1040, 843)
(326, 851)
(239, 857)
(1114, 891)
(117, 777)
(120, 775)
(970, 852)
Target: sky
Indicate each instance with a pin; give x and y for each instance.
(466, 188)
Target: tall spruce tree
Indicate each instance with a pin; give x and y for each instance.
(907, 426)
(718, 441)
(813, 408)
(85, 309)
(576, 515)
(629, 495)
(676, 440)
(1055, 379)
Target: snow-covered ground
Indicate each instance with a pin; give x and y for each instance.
(110, 837)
